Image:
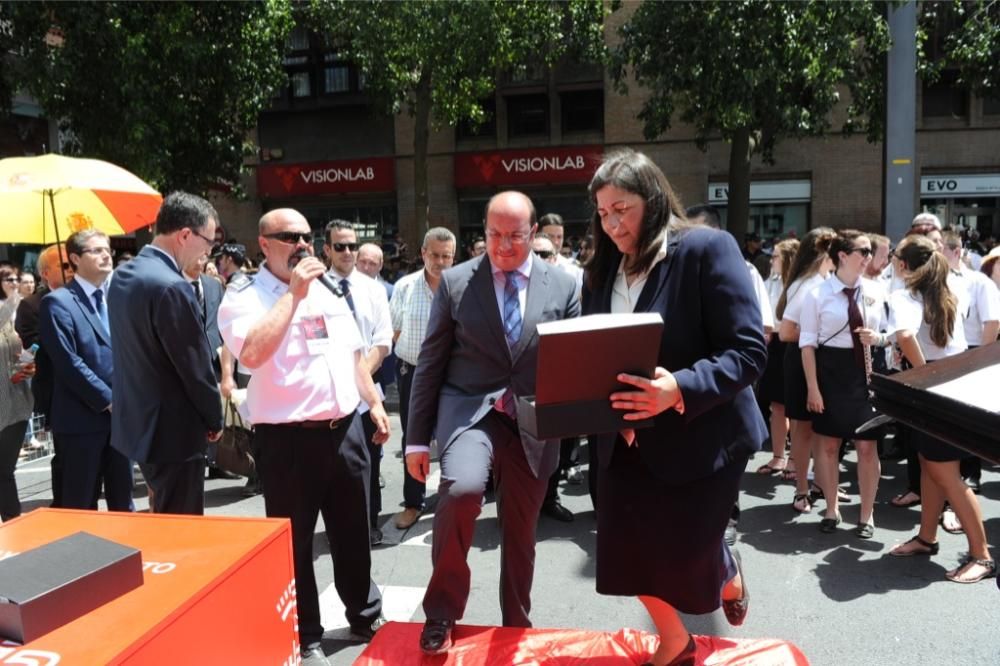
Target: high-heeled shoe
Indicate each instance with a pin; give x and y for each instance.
(736, 610)
(686, 656)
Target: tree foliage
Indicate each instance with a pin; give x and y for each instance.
(754, 72)
(438, 60)
(168, 90)
(963, 35)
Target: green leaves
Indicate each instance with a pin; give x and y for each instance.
(168, 90)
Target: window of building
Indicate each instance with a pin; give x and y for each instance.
(527, 115)
(944, 98)
(316, 66)
(774, 220)
(488, 128)
(991, 106)
(582, 111)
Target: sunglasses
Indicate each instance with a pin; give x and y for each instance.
(291, 237)
(544, 254)
(10, 279)
(863, 251)
(340, 247)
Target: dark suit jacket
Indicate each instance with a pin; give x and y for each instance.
(465, 364)
(713, 343)
(166, 399)
(26, 326)
(213, 292)
(80, 349)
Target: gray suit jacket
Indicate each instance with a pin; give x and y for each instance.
(465, 364)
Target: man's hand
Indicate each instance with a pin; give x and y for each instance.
(307, 270)
(214, 436)
(419, 465)
(381, 421)
(227, 386)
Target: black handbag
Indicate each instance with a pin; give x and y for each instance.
(232, 451)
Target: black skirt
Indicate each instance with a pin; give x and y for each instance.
(795, 384)
(844, 388)
(663, 540)
(771, 387)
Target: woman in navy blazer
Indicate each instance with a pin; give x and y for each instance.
(681, 476)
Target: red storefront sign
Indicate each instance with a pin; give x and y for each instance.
(533, 166)
(375, 174)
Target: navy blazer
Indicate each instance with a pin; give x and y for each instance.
(166, 399)
(80, 349)
(713, 343)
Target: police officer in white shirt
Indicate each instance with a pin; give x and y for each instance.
(306, 353)
(370, 305)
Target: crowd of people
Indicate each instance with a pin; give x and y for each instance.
(132, 364)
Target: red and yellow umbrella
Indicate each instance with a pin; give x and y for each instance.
(44, 199)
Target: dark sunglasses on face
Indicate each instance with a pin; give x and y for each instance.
(863, 251)
(340, 247)
(290, 237)
(544, 254)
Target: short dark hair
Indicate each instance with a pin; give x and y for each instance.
(76, 242)
(182, 210)
(334, 225)
(707, 211)
(235, 251)
(550, 220)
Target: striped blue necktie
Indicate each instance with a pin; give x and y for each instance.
(511, 309)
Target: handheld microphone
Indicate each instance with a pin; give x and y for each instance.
(323, 279)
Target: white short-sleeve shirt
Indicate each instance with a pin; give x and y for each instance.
(797, 291)
(823, 321)
(907, 314)
(311, 376)
(982, 299)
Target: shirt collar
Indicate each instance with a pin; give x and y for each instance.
(89, 288)
(165, 254)
(840, 286)
(661, 254)
(269, 282)
(524, 269)
(335, 274)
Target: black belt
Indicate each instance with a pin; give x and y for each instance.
(323, 424)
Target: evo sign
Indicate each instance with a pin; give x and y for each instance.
(536, 166)
(960, 185)
(762, 191)
(375, 174)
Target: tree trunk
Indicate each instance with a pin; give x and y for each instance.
(421, 134)
(738, 214)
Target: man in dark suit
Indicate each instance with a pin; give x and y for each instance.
(55, 269)
(73, 327)
(479, 353)
(166, 401)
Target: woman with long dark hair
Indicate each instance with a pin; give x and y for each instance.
(839, 323)
(811, 266)
(686, 468)
(927, 320)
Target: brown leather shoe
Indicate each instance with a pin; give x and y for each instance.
(736, 609)
(407, 517)
(435, 638)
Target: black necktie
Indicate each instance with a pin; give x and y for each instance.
(345, 287)
(198, 295)
(854, 322)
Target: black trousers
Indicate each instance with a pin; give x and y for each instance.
(90, 460)
(11, 439)
(375, 456)
(308, 472)
(175, 487)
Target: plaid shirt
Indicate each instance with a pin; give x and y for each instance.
(410, 308)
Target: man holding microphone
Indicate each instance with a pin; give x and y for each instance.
(291, 325)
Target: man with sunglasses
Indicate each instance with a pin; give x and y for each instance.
(303, 345)
(370, 307)
(54, 269)
(166, 405)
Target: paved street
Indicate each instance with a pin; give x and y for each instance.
(842, 600)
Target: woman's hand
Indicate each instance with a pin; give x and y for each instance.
(814, 401)
(654, 396)
(869, 338)
(25, 371)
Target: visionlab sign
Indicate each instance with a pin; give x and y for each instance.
(503, 168)
(974, 185)
(376, 174)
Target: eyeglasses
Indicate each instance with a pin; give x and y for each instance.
(10, 279)
(340, 247)
(515, 238)
(863, 251)
(210, 241)
(544, 254)
(101, 250)
(290, 237)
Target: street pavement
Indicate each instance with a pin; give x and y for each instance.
(841, 599)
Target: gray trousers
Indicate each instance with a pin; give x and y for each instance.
(493, 443)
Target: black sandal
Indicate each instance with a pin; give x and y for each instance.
(989, 565)
(807, 505)
(928, 548)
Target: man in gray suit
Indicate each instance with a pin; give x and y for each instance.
(479, 353)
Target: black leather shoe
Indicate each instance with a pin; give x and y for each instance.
(366, 631)
(219, 473)
(736, 609)
(375, 537)
(435, 638)
(314, 657)
(252, 488)
(557, 511)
